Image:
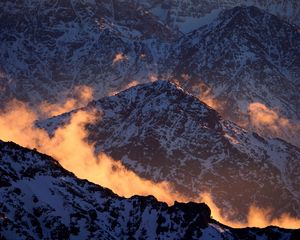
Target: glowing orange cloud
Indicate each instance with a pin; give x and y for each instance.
(257, 217)
(69, 147)
(153, 77)
(129, 85)
(82, 95)
(205, 94)
(269, 122)
(100, 169)
(119, 57)
(261, 217)
(262, 116)
(16, 124)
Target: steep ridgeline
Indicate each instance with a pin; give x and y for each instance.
(48, 47)
(41, 200)
(188, 15)
(246, 55)
(163, 133)
(243, 55)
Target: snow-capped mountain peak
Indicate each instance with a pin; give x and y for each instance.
(163, 133)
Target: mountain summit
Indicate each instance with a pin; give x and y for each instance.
(244, 56)
(239, 55)
(189, 15)
(163, 133)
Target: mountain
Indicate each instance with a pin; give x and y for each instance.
(48, 48)
(163, 133)
(238, 56)
(188, 15)
(243, 57)
(41, 200)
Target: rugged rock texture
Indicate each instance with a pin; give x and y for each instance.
(41, 200)
(237, 56)
(164, 133)
(47, 48)
(244, 56)
(188, 15)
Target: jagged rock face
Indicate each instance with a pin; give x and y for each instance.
(47, 48)
(188, 15)
(41, 200)
(244, 56)
(163, 133)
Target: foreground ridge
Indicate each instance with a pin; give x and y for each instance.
(40, 199)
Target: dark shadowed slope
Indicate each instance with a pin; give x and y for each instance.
(48, 48)
(244, 56)
(41, 200)
(164, 133)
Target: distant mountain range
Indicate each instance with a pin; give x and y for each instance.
(163, 133)
(41, 200)
(243, 57)
(188, 15)
(235, 56)
(48, 48)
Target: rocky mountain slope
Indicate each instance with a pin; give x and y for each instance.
(163, 133)
(245, 56)
(188, 15)
(48, 48)
(41, 200)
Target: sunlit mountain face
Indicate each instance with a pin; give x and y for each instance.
(245, 64)
(163, 133)
(183, 117)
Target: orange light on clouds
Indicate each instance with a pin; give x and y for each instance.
(82, 96)
(69, 147)
(262, 116)
(118, 57)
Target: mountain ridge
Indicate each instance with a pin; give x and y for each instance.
(108, 45)
(186, 16)
(244, 57)
(162, 133)
(92, 211)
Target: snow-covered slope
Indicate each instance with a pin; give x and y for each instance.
(48, 48)
(164, 133)
(188, 15)
(245, 56)
(41, 200)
